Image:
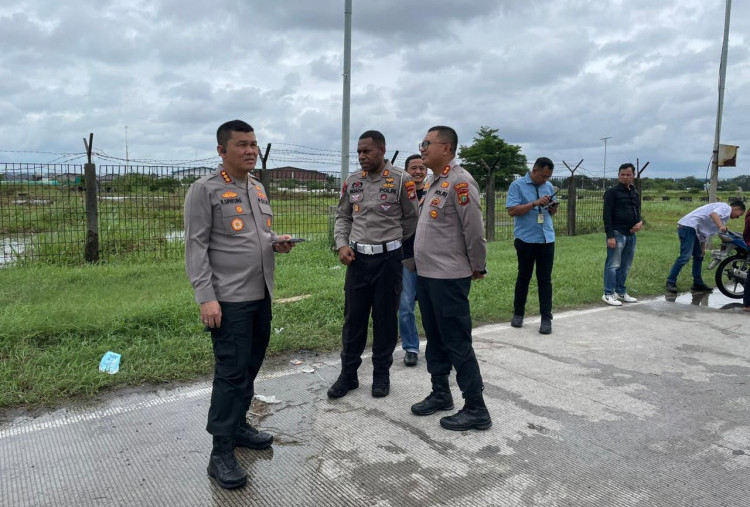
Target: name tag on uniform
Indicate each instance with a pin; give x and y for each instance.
(540, 218)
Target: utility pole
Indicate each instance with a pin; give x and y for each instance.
(347, 91)
(127, 157)
(722, 77)
(604, 178)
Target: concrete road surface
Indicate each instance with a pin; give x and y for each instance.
(646, 404)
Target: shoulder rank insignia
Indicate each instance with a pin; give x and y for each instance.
(462, 193)
(226, 177)
(386, 172)
(364, 174)
(446, 170)
(411, 190)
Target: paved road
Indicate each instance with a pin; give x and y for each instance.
(648, 404)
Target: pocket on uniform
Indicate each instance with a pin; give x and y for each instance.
(388, 207)
(225, 349)
(235, 217)
(265, 208)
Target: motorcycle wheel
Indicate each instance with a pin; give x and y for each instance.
(727, 279)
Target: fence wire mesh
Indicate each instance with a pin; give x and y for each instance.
(43, 210)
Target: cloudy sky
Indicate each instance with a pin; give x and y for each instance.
(555, 76)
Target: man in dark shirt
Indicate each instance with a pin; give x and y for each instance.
(407, 323)
(622, 219)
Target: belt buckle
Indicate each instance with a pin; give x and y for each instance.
(368, 249)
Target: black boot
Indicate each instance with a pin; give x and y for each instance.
(345, 383)
(439, 399)
(474, 415)
(223, 466)
(381, 385)
(247, 436)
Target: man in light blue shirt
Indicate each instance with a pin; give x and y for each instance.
(531, 204)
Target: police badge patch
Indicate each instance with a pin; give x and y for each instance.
(462, 193)
(411, 190)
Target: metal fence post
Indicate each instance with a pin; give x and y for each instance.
(91, 252)
(489, 225)
(572, 198)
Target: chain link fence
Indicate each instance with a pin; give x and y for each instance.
(43, 209)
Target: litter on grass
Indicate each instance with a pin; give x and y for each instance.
(110, 363)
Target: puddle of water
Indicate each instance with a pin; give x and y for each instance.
(175, 236)
(713, 299)
(11, 250)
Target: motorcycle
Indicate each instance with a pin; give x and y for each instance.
(732, 261)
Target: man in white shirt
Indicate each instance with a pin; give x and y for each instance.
(694, 229)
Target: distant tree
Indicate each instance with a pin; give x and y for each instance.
(489, 146)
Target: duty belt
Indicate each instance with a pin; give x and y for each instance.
(375, 249)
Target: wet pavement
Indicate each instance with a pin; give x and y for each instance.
(645, 404)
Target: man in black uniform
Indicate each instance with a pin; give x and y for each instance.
(376, 212)
(229, 249)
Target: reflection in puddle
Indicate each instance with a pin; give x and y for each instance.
(713, 299)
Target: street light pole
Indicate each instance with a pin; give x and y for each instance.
(604, 178)
(717, 134)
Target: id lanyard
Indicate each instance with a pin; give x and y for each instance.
(540, 216)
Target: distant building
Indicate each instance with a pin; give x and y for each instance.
(295, 173)
(193, 172)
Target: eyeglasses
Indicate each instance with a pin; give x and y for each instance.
(424, 144)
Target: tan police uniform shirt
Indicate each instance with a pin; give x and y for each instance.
(449, 242)
(375, 209)
(228, 239)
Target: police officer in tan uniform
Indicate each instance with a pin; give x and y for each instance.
(450, 251)
(229, 248)
(376, 213)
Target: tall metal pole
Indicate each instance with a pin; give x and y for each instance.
(347, 91)
(604, 177)
(720, 109)
(127, 156)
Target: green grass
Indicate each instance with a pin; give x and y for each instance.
(56, 322)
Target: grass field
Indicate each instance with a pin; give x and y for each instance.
(56, 322)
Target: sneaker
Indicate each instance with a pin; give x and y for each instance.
(627, 298)
(671, 287)
(701, 287)
(611, 299)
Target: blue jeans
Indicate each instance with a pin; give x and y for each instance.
(689, 245)
(407, 323)
(617, 265)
